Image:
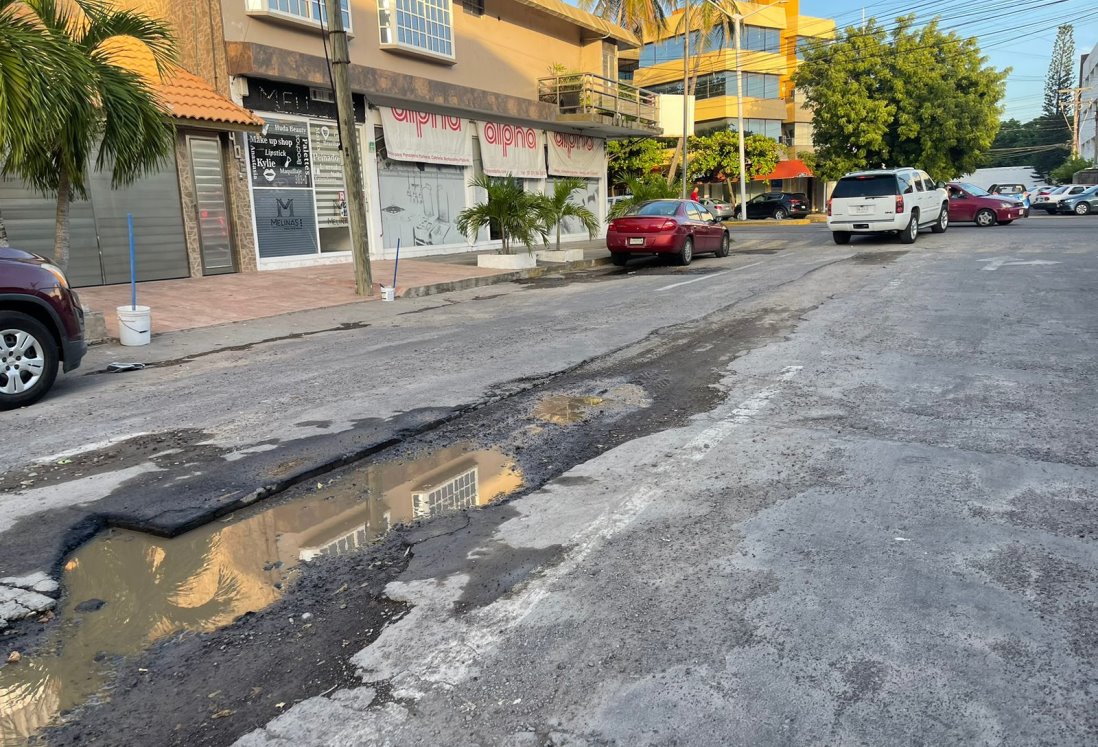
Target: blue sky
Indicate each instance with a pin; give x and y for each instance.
(1013, 33)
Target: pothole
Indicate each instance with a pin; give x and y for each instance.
(564, 409)
(126, 590)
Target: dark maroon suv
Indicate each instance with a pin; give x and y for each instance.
(41, 327)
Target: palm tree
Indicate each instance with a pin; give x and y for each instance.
(557, 206)
(642, 17)
(510, 209)
(107, 106)
(35, 80)
(647, 187)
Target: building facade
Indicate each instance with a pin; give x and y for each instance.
(773, 41)
(1088, 108)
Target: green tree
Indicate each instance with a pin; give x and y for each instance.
(633, 158)
(906, 97)
(1059, 101)
(642, 17)
(641, 190)
(1042, 143)
(716, 156)
(557, 206)
(110, 114)
(509, 209)
(1065, 172)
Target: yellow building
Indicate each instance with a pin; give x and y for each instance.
(773, 39)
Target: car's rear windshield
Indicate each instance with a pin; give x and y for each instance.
(659, 207)
(1060, 190)
(797, 195)
(870, 185)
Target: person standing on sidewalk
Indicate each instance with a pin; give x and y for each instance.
(694, 194)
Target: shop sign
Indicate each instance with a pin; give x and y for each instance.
(285, 222)
(280, 157)
(512, 150)
(576, 155)
(426, 138)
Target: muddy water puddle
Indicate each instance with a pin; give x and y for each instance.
(565, 409)
(125, 590)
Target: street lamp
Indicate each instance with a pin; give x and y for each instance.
(737, 27)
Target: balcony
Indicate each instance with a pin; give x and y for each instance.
(606, 106)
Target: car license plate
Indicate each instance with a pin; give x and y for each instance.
(636, 242)
(860, 209)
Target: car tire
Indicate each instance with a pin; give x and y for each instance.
(780, 214)
(34, 379)
(1083, 208)
(984, 218)
(911, 233)
(619, 258)
(725, 241)
(686, 253)
(1006, 222)
(942, 223)
(841, 237)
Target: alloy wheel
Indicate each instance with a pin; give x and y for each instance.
(22, 361)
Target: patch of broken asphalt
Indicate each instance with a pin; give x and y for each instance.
(210, 688)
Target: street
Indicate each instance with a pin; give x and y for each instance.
(805, 494)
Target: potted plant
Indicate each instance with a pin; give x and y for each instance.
(556, 207)
(515, 213)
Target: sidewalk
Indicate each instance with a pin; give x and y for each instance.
(189, 303)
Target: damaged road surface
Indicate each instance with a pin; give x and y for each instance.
(842, 498)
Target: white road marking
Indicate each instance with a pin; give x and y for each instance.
(705, 277)
(995, 263)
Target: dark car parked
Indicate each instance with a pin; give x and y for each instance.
(41, 327)
(1083, 203)
(680, 228)
(777, 205)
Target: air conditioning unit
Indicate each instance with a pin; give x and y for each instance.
(322, 94)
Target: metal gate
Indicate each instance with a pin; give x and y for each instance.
(99, 253)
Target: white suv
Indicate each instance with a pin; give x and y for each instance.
(887, 201)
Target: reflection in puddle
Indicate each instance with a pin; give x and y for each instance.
(152, 587)
(564, 409)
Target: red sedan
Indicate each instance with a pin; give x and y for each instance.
(681, 228)
(969, 203)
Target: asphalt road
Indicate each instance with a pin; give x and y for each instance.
(852, 500)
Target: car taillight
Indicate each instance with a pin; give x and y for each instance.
(829, 206)
(899, 204)
(669, 225)
(612, 225)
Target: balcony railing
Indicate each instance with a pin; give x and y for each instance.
(589, 96)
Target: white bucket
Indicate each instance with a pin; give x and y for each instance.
(134, 325)
(387, 293)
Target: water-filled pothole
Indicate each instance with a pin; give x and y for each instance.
(126, 590)
(565, 409)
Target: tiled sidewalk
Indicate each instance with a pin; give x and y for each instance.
(202, 302)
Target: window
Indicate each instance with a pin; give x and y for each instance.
(761, 39)
(473, 7)
(713, 85)
(310, 12)
(421, 26)
(804, 43)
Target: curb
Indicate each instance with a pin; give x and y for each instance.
(421, 291)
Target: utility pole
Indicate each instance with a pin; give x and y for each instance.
(348, 147)
(737, 19)
(685, 98)
(1076, 104)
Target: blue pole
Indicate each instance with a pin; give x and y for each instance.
(396, 264)
(133, 266)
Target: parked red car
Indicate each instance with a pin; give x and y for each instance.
(971, 204)
(41, 326)
(681, 228)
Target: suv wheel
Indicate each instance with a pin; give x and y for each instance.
(841, 237)
(984, 218)
(911, 233)
(942, 223)
(779, 213)
(28, 360)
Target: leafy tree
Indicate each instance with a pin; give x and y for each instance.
(1061, 74)
(910, 96)
(109, 108)
(557, 206)
(716, 156)
(633, 157)
(641, 190)
(642, 17)
(509, 209)
(1064, 173)
(1042, 143)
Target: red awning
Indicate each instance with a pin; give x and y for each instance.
(792, 169)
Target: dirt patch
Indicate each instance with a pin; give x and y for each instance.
(876, 258)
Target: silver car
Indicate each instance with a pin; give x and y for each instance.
(719, 208)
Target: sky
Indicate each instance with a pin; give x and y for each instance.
(1018, 34)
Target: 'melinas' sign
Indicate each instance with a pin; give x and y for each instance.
(512, 150)
(428, 138)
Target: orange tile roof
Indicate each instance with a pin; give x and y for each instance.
(184, 94)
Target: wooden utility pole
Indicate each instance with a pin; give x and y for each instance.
(348, 147)
(1076, 103)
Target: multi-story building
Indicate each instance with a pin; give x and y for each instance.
(443, 91)
(773, 39)
(1088, 108)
